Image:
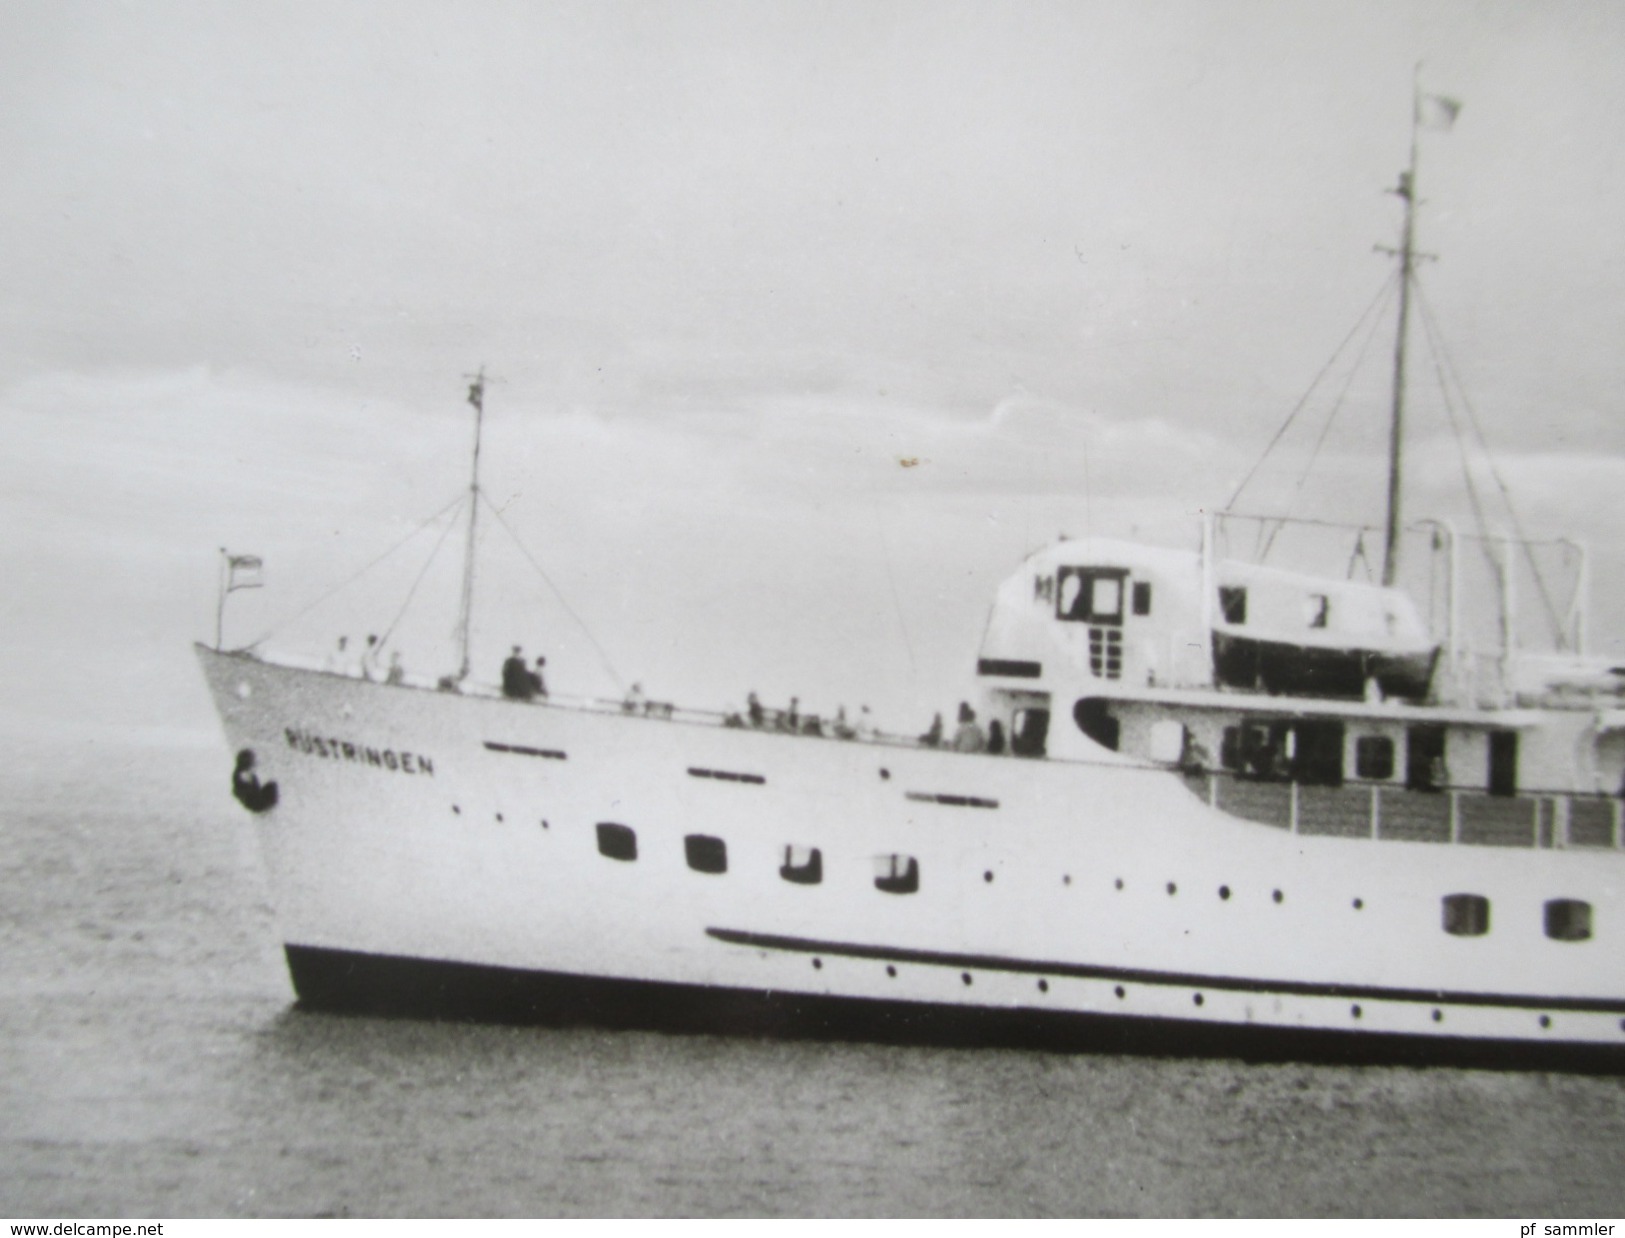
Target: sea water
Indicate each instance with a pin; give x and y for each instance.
(152, 1063)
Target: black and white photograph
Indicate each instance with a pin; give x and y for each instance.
(829, 609)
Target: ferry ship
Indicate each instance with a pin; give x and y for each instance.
(1219, 805)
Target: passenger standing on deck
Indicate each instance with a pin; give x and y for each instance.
(866, 725)
(369, 658)
(516, 683)
(397, 672)
(538, 685)
(933, 737)
(339, 660)
(754, 710)
(968, 738)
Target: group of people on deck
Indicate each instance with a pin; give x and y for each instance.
(365, 665)
(519, 681)
(792, 721)
(968, 734)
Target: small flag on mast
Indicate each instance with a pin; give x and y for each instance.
(1436, 112)
(244, 572)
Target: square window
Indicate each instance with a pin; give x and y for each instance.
(1466, 915)
(705, 853)
(1233, 603)
(1568, 919)
(1374, 757)
(897, 874)
(803, 866)
(618, 842)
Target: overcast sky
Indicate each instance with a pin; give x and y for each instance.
(733, 263)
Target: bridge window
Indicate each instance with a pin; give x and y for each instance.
(618, 842)
(1466, 915)
(1568, 919)
(1374, 757)
(1233, 603)
(1090, 594)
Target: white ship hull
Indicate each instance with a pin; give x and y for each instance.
(434, 851)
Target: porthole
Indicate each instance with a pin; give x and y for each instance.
(1545, 1020)
(1198, 998)
(1224, 892)
(1066, 879)
(456, 811)
(1043, 986)
(891, 971)
(1277, 895)
(964, 977)
(1359, 903)
(544, 823)
(1119, 883)
(818, 964)
(499, 816)
(1354, 1010)
(1438, 1016)
(988, 876)
(885, 774)
(1172, 889)
(1119, 991)
(1568, 919)
(1465, 915)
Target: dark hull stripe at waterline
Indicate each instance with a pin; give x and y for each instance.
(1184, 980)
(352, 982)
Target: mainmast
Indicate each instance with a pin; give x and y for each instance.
(1434, 112)
(1406, 192)
(476, 397)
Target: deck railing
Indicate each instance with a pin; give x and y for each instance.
(1456, 815)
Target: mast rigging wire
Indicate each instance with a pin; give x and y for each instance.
(580, 623)
(350, 580)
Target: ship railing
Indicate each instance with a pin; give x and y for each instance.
(1469, 816)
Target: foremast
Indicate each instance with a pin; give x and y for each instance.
(476, 397)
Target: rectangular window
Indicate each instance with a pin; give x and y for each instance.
(1106, 653)
(706, 854)
(1374, 757)
(1230, 748)
(803, 866)
(1568, 919)
(618, 842)
(1425, 768)
(1233, 603)
(897, 874)
(1316, 610)
(1029, 732)
(1142, 597)
(1503, 771)
(1466, 915)
(1090, 594)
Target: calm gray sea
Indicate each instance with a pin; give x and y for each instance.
(151, 1064)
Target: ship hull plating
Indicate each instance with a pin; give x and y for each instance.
(459, 854)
